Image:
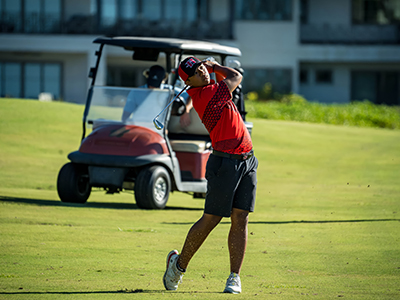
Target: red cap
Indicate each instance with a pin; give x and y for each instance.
(188, 66)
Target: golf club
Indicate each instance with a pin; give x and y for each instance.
(158, 124)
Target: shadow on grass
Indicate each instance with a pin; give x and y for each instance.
(297, 222)
(124, 291)
(108, 205)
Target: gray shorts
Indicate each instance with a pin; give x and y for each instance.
(231, 183)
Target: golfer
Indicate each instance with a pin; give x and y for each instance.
(230, 172)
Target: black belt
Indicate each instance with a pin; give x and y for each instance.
(234, 156)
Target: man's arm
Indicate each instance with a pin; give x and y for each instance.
(232, 77)
(185, 118)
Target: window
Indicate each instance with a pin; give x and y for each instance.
(127, 9)
(93, 7)
(363, 86)
(376, 12)
(380, 87)
(323, 76)
(51, 15)
(108, 12)
(152, 9)
(303, 76)
(304, 11)
(42, 15)
(28, 80)
(191, 10)
(32, 80)
(263, 9)
(174, 10)
(11, 14)
(31, 15)
(52, 79)
(12, 80)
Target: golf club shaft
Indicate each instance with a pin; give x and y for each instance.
(171, 102)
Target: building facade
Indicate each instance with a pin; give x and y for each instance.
(327, 51)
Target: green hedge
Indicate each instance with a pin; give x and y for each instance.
(295, 108)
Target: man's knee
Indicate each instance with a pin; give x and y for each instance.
(211, 220)
(239, 217)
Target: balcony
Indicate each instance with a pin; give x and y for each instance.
(88, 24)
(352, 34)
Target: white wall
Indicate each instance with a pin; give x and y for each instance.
(336, 92)
(272, 44)
(45, 43)
(329, 12)
(349, 53)
(75, 67)
(339, 91)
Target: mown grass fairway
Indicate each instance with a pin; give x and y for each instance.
(326, 224)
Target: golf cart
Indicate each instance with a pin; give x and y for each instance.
(131, 153)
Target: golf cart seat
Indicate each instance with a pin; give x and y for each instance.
(190, 146)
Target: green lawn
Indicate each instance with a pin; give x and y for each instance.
(326, 224)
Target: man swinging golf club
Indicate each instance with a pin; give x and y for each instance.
(230, 172)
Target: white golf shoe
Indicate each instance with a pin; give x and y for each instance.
(172, 276)
(233, 284)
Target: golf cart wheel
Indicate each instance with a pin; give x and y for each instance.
(152, 188)
(73, 183)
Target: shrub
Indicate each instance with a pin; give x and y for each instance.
(293, 107)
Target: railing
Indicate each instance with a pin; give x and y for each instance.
(86, 24)
(355, 34)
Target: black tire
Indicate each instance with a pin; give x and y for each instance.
(73, 183)
(152, 188)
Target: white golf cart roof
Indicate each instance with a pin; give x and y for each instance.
(170, 45)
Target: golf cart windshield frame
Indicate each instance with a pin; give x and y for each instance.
(127, 106)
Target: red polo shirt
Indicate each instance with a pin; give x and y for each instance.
(228, 133)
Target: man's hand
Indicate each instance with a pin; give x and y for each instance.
(210, 65)
(231, 77)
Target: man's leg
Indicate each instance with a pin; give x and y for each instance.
(196, 236)
(237, 239)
